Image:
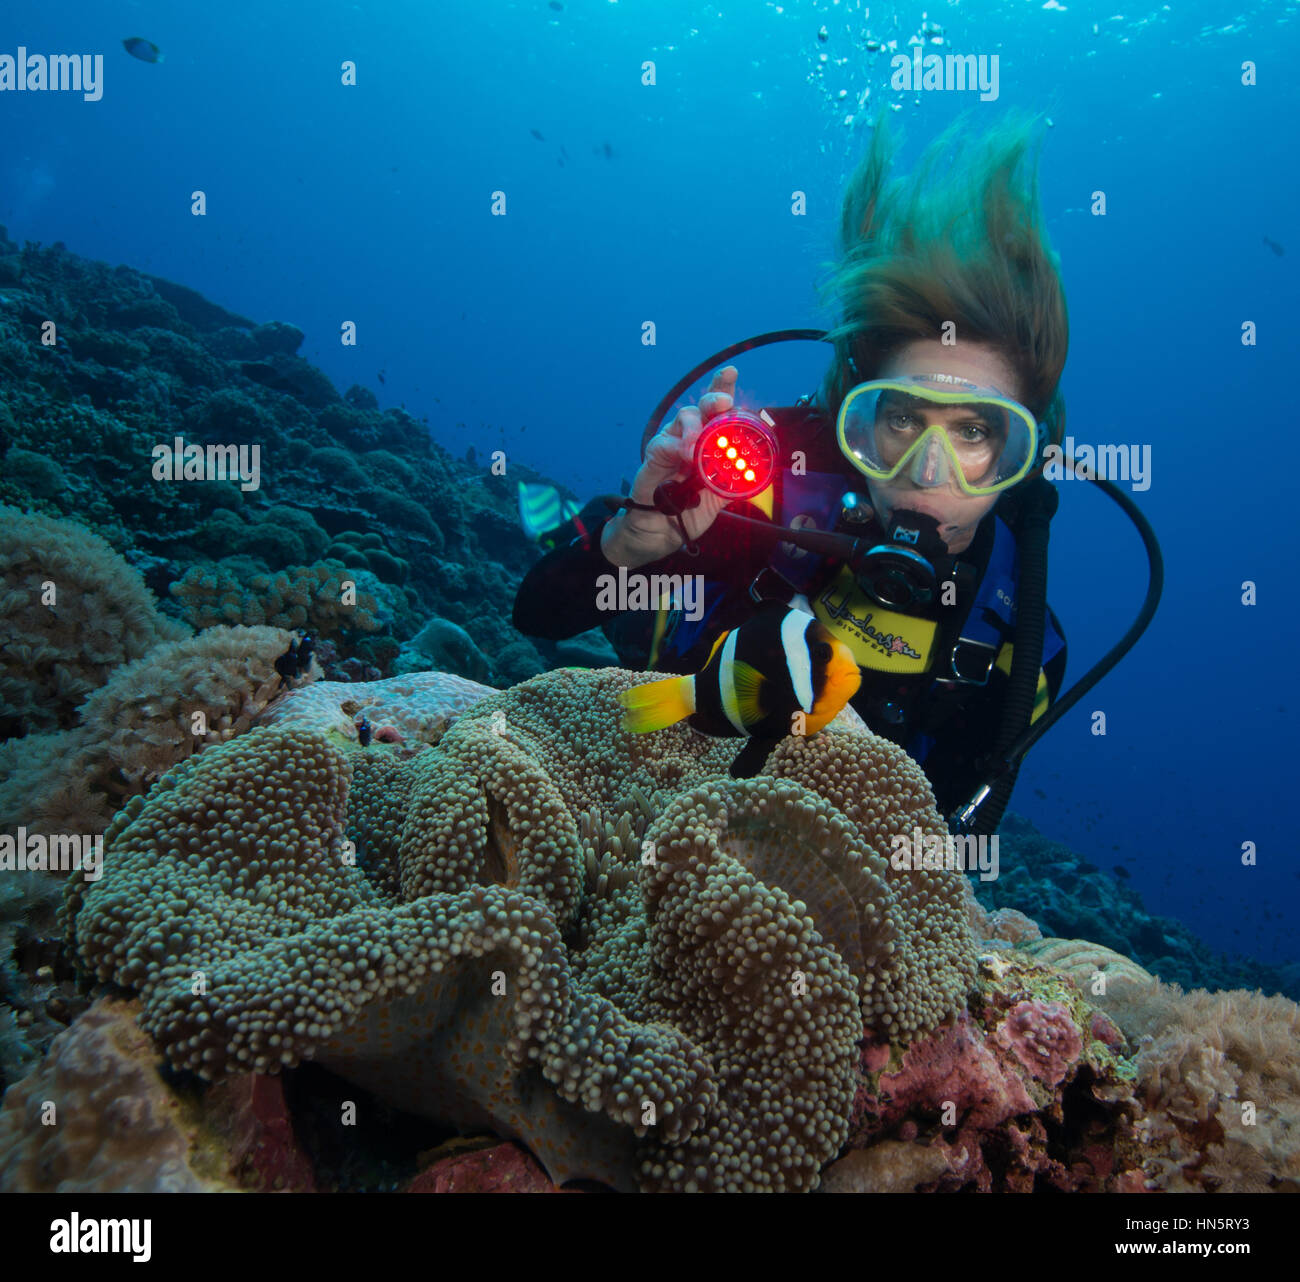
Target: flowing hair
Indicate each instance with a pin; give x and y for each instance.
(961, 240)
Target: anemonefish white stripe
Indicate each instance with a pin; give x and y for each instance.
(727, 683)
(794, 640)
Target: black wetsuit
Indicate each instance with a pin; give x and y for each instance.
(949, 727)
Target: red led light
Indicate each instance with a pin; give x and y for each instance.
(736, 455)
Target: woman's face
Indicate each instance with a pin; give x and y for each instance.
(958, 513)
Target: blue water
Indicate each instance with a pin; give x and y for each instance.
(371, 204)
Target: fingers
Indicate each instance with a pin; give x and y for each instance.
(717, 400)
(725, 380)
(663, 462)
(692, 425)
(670, 452)
(721, 394)
(667, 452)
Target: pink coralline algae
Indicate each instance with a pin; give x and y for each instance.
(979, 1093)
(503, 1168)
(250, 1115)
(1043, 1037)
(953, 1065)
(957, 1079)
(1102, 1029)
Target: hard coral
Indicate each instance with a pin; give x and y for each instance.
(1101, 973)
(97, 1118)
(594, 942)
(71, 611)
(420, 706)
(139, 725)
(446, 647)
(304, 596)
(280, 537)
(1043, 1037)
(982, 1095)
(892, 1166)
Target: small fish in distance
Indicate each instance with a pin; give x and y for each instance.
(145, 50)
(295, 660)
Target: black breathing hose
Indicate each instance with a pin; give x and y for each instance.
(1033, 527)
(965, 819)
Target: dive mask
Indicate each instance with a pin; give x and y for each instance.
(937, 430)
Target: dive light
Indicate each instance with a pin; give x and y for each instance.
(735, 457)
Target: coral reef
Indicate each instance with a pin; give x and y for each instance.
(698, 1028)
(27, 901)
(96, 1117)
(609, 955)
(99, 1117)
(419, 707)
(502, 1168)
(1036, 1086)
(501, 914)
(324, 599)
(71, 611)
(141, 361)
(1072, 898)
(154, 712)
(443, 646)
(1025, 1090)
(1218, 1079)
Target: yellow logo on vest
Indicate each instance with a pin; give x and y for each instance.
(880, 639)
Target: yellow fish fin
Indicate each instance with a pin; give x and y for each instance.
(658, 704)
(748, 683)
(713, 649)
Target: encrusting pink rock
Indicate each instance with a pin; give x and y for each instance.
(954, 1064)
(503, 1168)
(1043, 1037)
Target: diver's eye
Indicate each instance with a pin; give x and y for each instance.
(898, 421)
(973, 432)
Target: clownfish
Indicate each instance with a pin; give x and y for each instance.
(783, 672)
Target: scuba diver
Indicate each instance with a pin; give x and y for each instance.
(901, 505)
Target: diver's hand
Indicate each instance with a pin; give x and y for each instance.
(635, 538)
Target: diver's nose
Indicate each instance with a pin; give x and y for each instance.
(930, 466)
